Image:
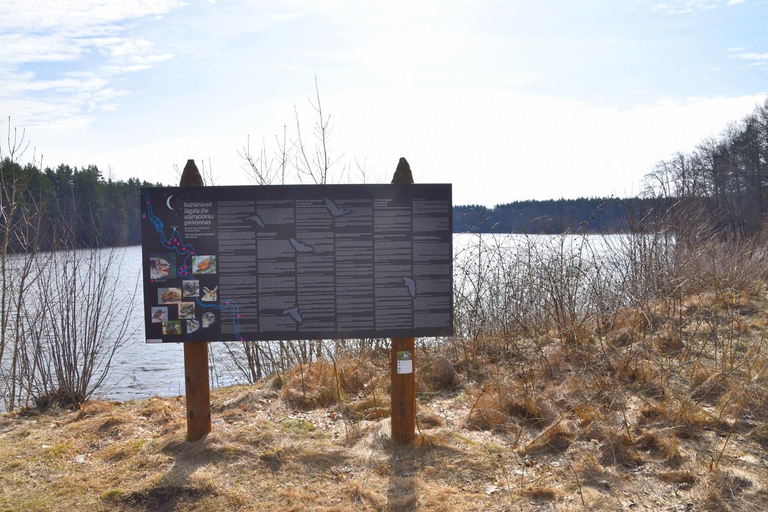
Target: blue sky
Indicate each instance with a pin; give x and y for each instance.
(506, 100)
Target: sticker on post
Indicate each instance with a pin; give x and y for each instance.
(404, 361)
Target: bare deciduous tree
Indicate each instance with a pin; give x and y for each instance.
(63, 313)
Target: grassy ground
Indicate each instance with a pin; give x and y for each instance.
(656, 409)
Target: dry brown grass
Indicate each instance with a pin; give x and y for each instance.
(668, 409)
(439, 374)
(556, 438)
(326, 382)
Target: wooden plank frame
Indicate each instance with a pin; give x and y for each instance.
(196, 372)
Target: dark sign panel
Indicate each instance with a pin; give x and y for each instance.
(297, 262)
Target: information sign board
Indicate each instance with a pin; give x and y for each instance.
(297, 262)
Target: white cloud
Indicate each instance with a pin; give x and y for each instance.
(131, 47)
(684, 6)
(37, 33)
(753, 56)
(438, 82)
(76, 16)
(18, 84)
(18, 48)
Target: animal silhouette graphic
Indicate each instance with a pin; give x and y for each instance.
(294, 313)
(335, 210)
(300, 247)
(411, 284)
(255, 218)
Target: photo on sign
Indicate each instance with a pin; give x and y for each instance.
(162, 265)
(186, 310)
(210, 294)
(168, 295)
(190, 288)
(172, 327)
(192, 325)
(209, 319)
(298, 262)
(159, 315)
(204, 264)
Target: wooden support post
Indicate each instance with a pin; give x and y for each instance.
(196, 383)
(403, 385)
(403, 393)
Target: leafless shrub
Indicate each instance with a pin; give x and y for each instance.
(86, 312)
(63, 313)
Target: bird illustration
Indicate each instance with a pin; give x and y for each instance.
(255, 218)
(300, 247)
(411, 284)
(335, 210)
(294, 313)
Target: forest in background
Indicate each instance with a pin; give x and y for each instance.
(556, 216)
(720, 187)
(79, 204)
(102, 212)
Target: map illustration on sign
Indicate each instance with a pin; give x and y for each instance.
(297, 262)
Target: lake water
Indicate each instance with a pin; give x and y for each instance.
(141, 370)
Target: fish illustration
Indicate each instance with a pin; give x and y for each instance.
(300, 247)
(411, 284)
(255, 218)
(335, 210)
(294, 313)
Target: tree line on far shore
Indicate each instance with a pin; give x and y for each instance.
(67, 206)
(556, 216)
(720, 187)
(91, 211)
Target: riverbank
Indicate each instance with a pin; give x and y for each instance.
(665, 409)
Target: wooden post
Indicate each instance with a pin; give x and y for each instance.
(196, 384)
(403, 385)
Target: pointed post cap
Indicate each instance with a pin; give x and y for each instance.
(403, 172)
(191, 176)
